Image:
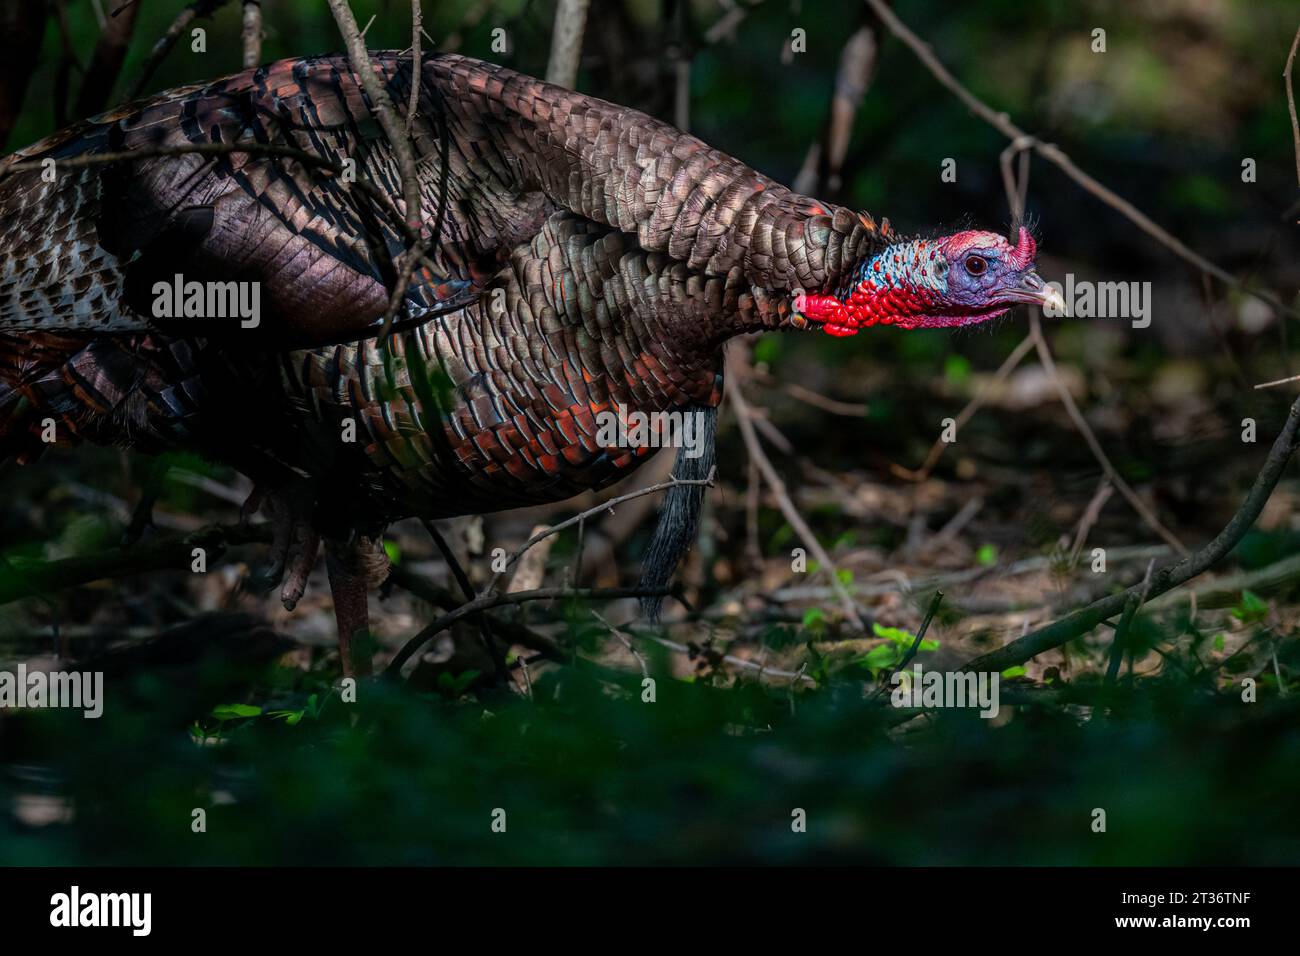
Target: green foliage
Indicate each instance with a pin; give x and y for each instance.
(886, 656)
(589, 774)
(457, 685)
(1251, 608)
(956, 370)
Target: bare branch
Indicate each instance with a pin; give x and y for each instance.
(106, 62)
(417, 28)
(1080, 423)
(597, 509)
(20, 580)
(825, 403)
(252, 33)
(724, 28)
(1290, 100)
(566, 42)
(801, 529)
(626, 642)
(916, 642)
(825, 159)
(384, 111)
(1090, 516)
(1167, 578)
(936, 450)
(1279, 381)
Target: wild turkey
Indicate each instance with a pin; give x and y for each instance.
(588, 257)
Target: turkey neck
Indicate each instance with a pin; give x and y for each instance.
(515, 136)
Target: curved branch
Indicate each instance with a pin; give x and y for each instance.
(1167, 578)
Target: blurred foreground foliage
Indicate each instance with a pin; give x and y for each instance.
(589, 774)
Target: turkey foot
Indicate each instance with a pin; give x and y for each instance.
(295, 544)
(142, 516)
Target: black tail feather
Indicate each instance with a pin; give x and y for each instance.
(679, 514)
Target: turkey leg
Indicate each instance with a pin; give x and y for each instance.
(354, 567)
(351, 612)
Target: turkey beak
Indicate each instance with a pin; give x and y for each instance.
(1032, 290)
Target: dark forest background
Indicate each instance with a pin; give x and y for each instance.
(224, 701)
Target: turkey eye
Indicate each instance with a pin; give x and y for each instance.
(975, 265)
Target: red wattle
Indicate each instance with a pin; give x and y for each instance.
(829, 311)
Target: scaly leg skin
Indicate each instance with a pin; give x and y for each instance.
(354, 566)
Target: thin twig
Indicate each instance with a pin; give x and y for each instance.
(1119, 644)
(640, 659)
(1280, 381)
(916, 644)
(792, 515)
(826, 404)
(724, 28)
(106, 62)
(1290, 100)
(417, 28)
(200, 8)
(68, 62)
(382, 106)
(597, 509)
(936, 450)
(1081, 424)
(1017, 187)
(509, 631)
(448, 555)
(761, 668)
(467, 590)
(491, 600)
(920, 634)
(797, 677)
(1090, 516)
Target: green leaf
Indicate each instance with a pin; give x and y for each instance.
(902, 638)
(880, 657)
(235, 711)
(767, 348)
(1251, 608)
(1017, 671)
(814, 619)
(956, 369)
(457, 684)
(987, 555)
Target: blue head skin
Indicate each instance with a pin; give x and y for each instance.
(960, 279)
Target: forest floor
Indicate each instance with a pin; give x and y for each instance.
(766, 699)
